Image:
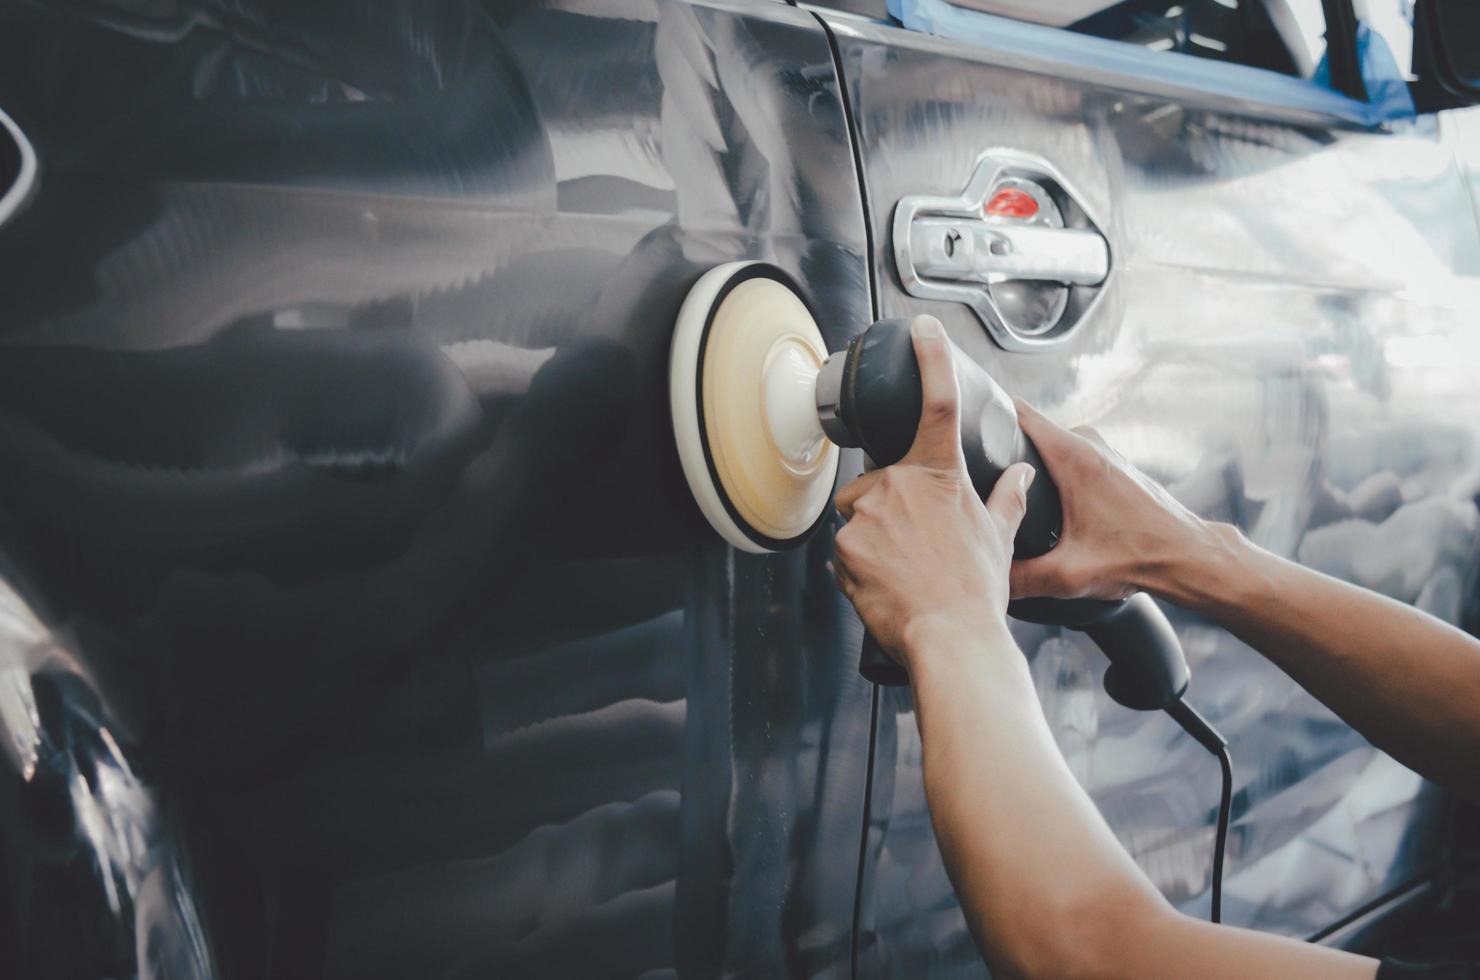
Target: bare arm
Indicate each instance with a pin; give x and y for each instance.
(1046, 888)
(1407, 681)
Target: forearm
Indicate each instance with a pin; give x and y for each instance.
(1046, 888)
(1030, 857)
(1405, 680)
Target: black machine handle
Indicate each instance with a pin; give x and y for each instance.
(878, 667)
(879, 404)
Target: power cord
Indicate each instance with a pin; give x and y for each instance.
(868, 806)
(1207, 736)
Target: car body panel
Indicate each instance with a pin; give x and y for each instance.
(1284, 340)
(357, 620)
(334, 416)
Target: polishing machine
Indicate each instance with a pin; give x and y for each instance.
(761, 408)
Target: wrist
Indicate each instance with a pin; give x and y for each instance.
(943, 638)
(1202, 569)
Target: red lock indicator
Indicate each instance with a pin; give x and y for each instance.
(1010, 202)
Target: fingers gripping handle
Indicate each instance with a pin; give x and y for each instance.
(878, 407)
(879, 404)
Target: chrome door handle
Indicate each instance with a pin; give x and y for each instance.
(962, 250)
(1017, 245)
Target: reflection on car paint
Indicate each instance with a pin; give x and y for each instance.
(87, 832)
(381, 636)
(1285, 344)
(334, 445)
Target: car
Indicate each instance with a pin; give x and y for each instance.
(358, 620)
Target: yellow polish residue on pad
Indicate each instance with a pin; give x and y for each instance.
(763, 335)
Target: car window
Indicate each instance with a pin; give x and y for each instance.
(1280, 35)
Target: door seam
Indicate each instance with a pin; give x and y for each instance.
(873, 297)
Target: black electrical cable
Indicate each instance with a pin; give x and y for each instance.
(868, 803)
(1207, 736)
(1220, 844)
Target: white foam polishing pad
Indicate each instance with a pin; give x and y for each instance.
(742, 376)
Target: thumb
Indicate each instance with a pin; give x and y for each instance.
(1055, 444)
(1008, 501)
(938, 440)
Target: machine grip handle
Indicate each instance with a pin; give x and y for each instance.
(877, 666)
(879, 402)
(1148, 670)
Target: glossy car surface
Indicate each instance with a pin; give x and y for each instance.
(1280, 343)
(356, 618)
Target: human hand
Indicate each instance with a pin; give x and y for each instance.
(920, 551)
(1122, 532)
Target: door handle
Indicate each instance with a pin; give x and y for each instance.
(1018, 245)
(974, 251)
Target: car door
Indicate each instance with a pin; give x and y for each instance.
(382, 635)
(1281, 339)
